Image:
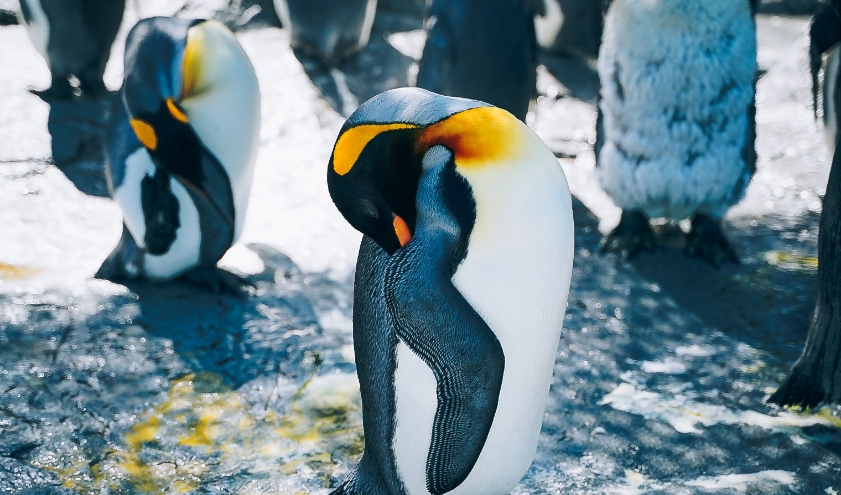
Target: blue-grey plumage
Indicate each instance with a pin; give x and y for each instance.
(74, 37)
(181, 150)
(481, 50)
(461, 285)
(328, 29)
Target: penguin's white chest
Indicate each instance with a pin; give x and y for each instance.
(38, 28)
(184, 253)
(516, 276)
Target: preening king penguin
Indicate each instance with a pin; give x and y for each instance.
(328, 29)
(74, 37)
(676, 124)
(181, 150)
(482, 50)
(460, 292)
(816, 377)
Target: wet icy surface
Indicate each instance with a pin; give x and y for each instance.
(662, 371)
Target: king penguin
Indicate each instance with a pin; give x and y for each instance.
(482, 50)
(181, 150)
(330, 30)
(74, 37)
(676, 125)
(460, 291)
(816, 377)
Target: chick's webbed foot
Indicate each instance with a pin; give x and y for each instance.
(707, 241)
(629, 237)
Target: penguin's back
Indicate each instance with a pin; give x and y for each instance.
(484, 51)
(677, 84)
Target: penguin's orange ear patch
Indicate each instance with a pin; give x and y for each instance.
(477, 137)
(353, 141)
(145, 133)
(401, 229)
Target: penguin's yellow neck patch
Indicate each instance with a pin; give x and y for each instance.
(191, 70)
(353, 141)
(478, 137)
(145, 133)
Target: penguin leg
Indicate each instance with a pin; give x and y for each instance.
(631, 235)
(218, 280)
(124, 263)
(707, 241)
(60, 89)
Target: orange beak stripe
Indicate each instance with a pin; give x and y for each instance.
(176, 112)
(401, 229)
(145, 133)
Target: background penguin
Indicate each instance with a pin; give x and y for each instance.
(572, 27)
(816, 376)
(74, 37)
(482, 50)
(676, 126)
(328, 29)
(460, 291)
(181, 157)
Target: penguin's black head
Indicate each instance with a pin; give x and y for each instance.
(378, 156)
(159, 73)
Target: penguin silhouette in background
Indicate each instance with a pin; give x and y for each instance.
(676, 125)
(816, 377)
(74, 37)
(460, 292)
(182, 151)
(328, 29)
(482, 50)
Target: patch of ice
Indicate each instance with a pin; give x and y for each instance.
(669, 366)
(695, 350)
(741, 481)
(409, 43)
(685, 415)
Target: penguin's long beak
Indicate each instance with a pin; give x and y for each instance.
(402, 230)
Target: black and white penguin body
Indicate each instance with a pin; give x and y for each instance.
(460, 292)
(182, 152)
(328, 29)
(481, 50)
(816, 377)
(74, 37)
(676, 127)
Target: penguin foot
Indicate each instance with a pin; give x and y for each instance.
(631, 235)
(707, 241)
(218, 281)
(55, 92)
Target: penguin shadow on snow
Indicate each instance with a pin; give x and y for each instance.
(375, 68)
(268, 332)
(77, 127)
(765, 304)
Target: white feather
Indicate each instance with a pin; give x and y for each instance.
(225, 110)
(38, 28)
(674, 140)
(516, 276)
(138, 165)
(547, 27)
(184, 253)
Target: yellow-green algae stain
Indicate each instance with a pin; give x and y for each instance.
(791, 261)
(17, 272)
(203, 429)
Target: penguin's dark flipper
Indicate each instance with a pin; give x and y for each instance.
(124, 263)
(218, 280)
(631, 235)
(707, 241)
